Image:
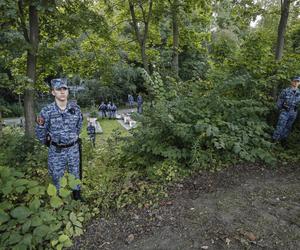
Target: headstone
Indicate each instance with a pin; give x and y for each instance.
(96, 124)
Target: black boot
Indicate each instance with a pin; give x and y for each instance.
(284, 143)
(77, 196)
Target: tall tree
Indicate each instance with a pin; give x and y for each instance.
(31, 36)
(285, 6)
(175, 28)
(141, 28)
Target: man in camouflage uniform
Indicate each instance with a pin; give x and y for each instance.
(58, 126)
(287, 103)
(130, 101)
(113, 110)
(109, 111)
(139, 101)
(91, 130)
(103, 109)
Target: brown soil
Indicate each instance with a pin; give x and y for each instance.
(243, 207)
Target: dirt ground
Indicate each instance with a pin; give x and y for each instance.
(243, 207)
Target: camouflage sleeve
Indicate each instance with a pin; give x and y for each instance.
(80, 121)
(42, 124)
(281, 99)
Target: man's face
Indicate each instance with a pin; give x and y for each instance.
(295, 84)
(61, 94)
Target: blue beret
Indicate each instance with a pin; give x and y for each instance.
(59, 83)
(296, 78)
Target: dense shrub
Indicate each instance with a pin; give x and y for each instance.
(204, 126)
(108, 184)
(33, 216)
(17, 150)
(10, 109)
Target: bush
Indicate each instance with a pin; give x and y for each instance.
(33, 216)
(109, 184)
(204, 126)
(11, 109)
(17, 150)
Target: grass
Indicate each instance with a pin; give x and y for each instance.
(108, 126)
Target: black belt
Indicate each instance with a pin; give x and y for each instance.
(63, 145)
(290, 108)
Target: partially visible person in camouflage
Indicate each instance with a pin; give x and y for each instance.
(287, 103)
(58, 126)
(103, 109)
(139, 101)
(113, 110)
(109, 111)
(130, 101)
(91, 130)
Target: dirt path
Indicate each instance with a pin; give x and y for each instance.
(245, 207)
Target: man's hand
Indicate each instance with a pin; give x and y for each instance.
(285, 106)
(40, 120)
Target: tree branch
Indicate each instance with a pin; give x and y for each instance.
(134, 21)
(22, 20)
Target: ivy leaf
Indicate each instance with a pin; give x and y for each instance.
(33, 190)
(64, 192)
(47, 216)
(56, 202)
(63, 182)
(78, 231)
(54, 242)
(41, 231)
(73, 217)
(5, 205)
(36, 221)
(20, 213)
(51, 190)
(26, 226)
(21, 182)
(14, 238)
(27, 239)
(237, 148)
(4, 217)
(55, 227)
(73, 182)
(35, 204)
(63, 238)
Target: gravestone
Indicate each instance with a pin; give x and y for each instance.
(96, 124)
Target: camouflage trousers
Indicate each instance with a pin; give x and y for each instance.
(60, 159)
(284, 125)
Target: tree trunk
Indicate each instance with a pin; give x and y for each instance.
(141, 38)
(175, 67)
(285, 6)
(31, 71)
(0, 123)
(144, 57)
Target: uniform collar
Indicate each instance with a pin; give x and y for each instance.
(62, 111)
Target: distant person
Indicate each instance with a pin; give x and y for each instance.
(109, 111)
(91, 130)
(139, 104)
(113, 110)
(58, 126)
(287, 103)
(103, 109)
(130, 101)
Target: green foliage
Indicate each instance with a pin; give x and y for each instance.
(10, 110)
(17, 150)
(109, 185)
(166, 171)
(31, 216)
(203, 128)
(224, 45)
